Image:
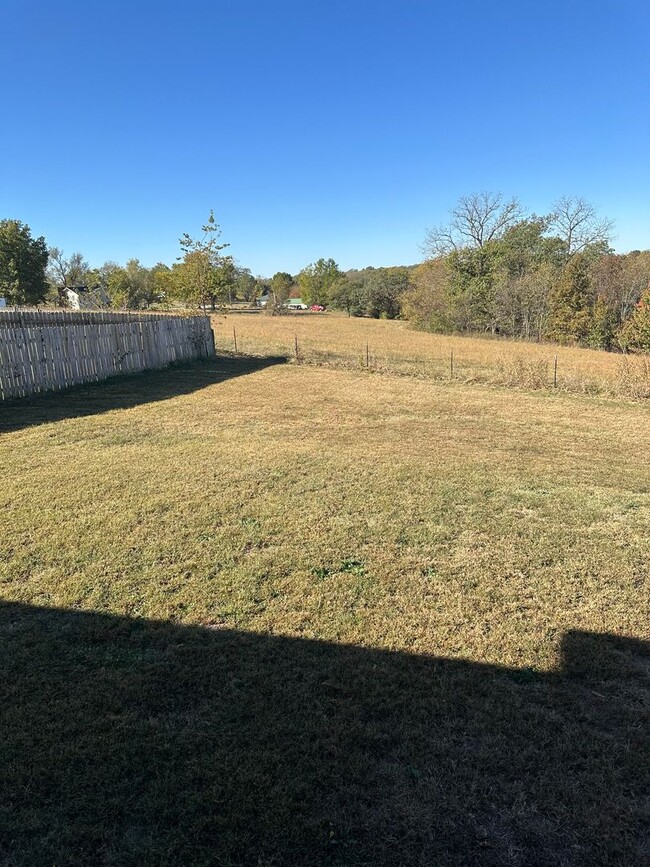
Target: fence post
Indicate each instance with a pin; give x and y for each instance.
(234, 337)
(367, 356)
(451, 365)
(555, 372)
(296, 345)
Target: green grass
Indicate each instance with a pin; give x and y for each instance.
(281, 615)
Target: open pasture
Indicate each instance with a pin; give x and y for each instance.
(393, 347)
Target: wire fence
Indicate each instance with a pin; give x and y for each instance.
(628, 377)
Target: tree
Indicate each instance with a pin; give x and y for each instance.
(635, 334)
(522, 300)
(602, 326)
(132, 287)
(476, 220)
(621, 281)
(578, 225)
(161, 283)
(205, 274)
(473, 287)
(384, 289)
(427, 302)
(570, 303)
(23, 264)
(245, 284)
(318, 282)
(281, 285)
(64, 274)
(527, 264)
(350, 293)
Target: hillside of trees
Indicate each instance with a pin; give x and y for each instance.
(492, 269)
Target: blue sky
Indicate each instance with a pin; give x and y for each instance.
(312, 129)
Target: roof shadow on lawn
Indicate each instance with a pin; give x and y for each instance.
(124, 392)
(135, 742)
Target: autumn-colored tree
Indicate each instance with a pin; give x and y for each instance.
(602, 327)
(426, 302)
(570, 303)
(635, 334)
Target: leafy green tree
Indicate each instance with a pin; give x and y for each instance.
(23, 264)
(385, 288)
(161, 284)
(205, 276)
(281, 285)
(132, 287)
(472, 286)
(570, 303)
(224, 281)
(350, 294)
(245, 285)
(318, 282)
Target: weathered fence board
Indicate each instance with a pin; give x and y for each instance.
(49, 350)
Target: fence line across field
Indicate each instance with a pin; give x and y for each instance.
(49, 350)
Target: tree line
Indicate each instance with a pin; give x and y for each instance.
(492, 268)
(203, 275)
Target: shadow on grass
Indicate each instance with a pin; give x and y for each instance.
(123, 392)
(129, 742)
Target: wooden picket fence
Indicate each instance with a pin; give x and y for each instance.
(48, 350)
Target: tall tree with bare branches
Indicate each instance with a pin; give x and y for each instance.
(475, 221)
(579, 225)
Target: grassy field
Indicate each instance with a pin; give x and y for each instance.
(256, 613)
(393, 347)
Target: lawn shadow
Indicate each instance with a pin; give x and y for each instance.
(129, 742)
(123, 392)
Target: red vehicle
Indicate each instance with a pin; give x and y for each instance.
(317, 308)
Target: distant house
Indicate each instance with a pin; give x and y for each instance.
(83, 298)
(263, 299)
(3, 303)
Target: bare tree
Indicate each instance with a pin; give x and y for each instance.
(475, 221)
(65, 273)
(578, 224)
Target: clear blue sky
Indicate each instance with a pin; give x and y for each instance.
(314, 129)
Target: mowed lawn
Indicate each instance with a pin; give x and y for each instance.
(259, 613)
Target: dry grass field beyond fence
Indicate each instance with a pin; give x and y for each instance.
(393, 347)
(265, 613)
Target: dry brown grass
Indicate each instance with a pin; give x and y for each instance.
(302, 615)
(335, 339)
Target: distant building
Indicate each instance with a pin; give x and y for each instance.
(3, 303)
(83, 298)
